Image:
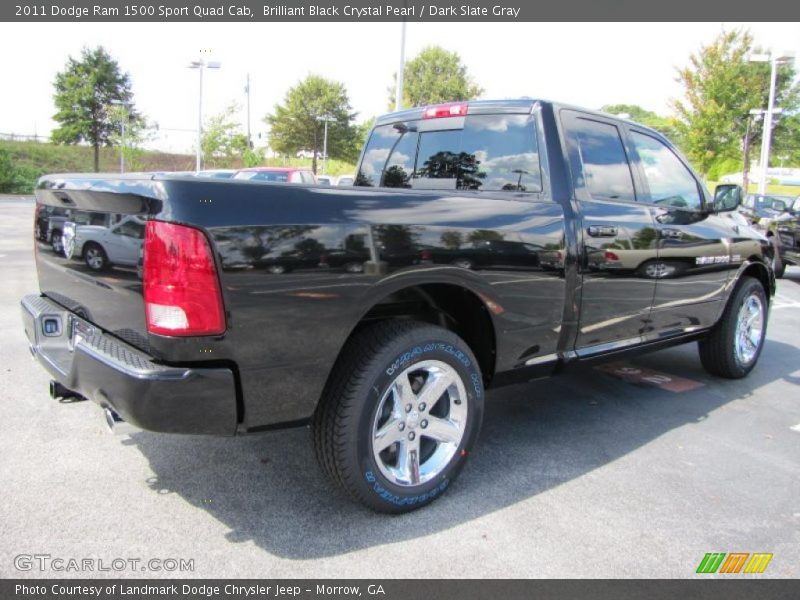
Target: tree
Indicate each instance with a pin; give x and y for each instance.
(84, 92)
(665, 125)
(223, 141)
(131, 138)
(435, 76)
(720, 89)
(296, 124)
(14, 178)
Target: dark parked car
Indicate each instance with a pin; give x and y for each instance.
(773, 215)
(784, 231)
(388, 363)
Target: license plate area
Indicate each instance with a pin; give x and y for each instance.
(78, 328)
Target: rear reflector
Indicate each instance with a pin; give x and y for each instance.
(181, 289)
(458, 109)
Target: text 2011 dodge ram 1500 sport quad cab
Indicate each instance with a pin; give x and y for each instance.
(483, 243)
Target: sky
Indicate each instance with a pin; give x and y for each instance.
(587, 64)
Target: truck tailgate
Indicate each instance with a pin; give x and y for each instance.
(107, 293)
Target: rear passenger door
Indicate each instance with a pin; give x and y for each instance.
(617, 237)
(694, 258)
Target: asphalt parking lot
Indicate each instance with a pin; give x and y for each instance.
(584, 475)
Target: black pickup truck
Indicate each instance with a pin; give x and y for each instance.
(483, 244)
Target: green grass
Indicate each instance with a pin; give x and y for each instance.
(35, 159)
(51, 158)
(335, 167)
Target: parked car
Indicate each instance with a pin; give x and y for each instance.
(310, 154)
(767, 213)
(278, 175)
(345, 180)
(49, 227)
(388, 362)
(325, 180)
(101, 246)
(784, 232)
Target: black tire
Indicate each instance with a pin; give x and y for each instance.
(57, 243)
(95, 257)
(718, 350)
(343, 426)
(778, 266)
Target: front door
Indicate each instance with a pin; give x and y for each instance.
(694, 257)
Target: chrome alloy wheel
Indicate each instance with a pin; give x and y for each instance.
(749, 329)
(94, 258)
(420, 423)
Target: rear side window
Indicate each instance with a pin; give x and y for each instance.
(598, 160)
(380, 145)
(491, 153)
(669, 181)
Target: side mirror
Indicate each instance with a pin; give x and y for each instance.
(727, 197)
(779, 205)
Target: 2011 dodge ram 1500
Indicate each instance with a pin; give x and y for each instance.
(483, 243)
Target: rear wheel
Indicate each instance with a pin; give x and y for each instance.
(732, 348)
(400, 415)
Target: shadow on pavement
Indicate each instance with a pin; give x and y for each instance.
(268, 489)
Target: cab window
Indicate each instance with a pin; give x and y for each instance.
(669, 182)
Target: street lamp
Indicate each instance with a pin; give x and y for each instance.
(201, 64)
(767, 138)
(326, 119)
(398, 92)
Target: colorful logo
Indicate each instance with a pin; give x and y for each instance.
(736, 562)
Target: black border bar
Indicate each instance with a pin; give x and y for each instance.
(734, 588)
(251, 11)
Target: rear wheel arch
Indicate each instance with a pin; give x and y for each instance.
(457, 308)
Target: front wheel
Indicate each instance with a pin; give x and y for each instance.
(400, 415)
(95, 257)
(778, 266)
(732, 348)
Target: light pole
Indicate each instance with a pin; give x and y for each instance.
(398, 92)
(766, 140)
(201, 64)
(326, 119)
(125, 107)
(247, 91)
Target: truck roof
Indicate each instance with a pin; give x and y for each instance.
(509, 106)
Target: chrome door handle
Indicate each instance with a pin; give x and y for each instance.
(671, 233)
(602, 231)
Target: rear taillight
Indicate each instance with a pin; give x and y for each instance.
(611, 255)
(181, 289)
(457, 109)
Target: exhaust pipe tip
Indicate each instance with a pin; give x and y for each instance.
(116, 424)
(59, 392)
